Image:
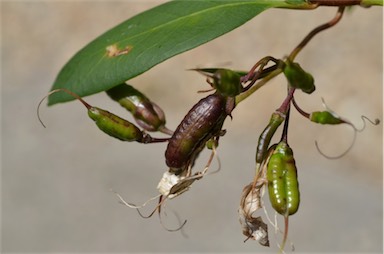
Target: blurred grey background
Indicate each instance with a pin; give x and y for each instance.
(56, 181)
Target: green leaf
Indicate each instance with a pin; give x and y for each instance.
(148, 39)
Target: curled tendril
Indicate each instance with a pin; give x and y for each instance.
(130, 205)
(212, 156)
(337, 156)
(333, 118)
(343, 120)
(157, 208)
(56, 91)
(176, 189)
(364, 119)
(181, 224)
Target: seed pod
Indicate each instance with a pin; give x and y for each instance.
(325, 117)
(253, 227)
(330, 117)
(201, 123)
(265, 137)
(109, 123)
(298, 78)
(146, 113)
(115, 126)
(283, 186)
(227, 82)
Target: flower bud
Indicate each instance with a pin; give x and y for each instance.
(298, 78)
(227, 82)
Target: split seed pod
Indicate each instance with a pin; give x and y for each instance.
(253, 227)
(147, 114)
(283, 186)
(251, 201)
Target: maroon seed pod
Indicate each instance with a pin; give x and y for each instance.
(201, 123)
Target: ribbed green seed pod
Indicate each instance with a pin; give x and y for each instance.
(283, 186)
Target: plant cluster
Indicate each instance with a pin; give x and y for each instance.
(202, 128)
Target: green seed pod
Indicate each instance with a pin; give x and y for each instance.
(115, 126)
(227, 82)
(325, 117)
(146, 113)
(265, 137)
(109, 123)
(298, 78)
(283, 186)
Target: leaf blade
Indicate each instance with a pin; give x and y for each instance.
(150, 38)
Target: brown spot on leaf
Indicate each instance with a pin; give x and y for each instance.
(114, 51)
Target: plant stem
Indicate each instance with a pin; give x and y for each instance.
(346, 2)
(302, 112)
(254, 88)
(371, 2)
(284, 135)
(315, 31)
(287, 101)
(335, 2)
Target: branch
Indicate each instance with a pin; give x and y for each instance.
(346, 2)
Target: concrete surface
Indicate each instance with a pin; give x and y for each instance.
(56, 181)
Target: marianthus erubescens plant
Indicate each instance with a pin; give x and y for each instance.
(141, 42)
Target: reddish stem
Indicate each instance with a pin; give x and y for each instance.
(302, 112)
(287, 101)
(335, 2)
(317, 30)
